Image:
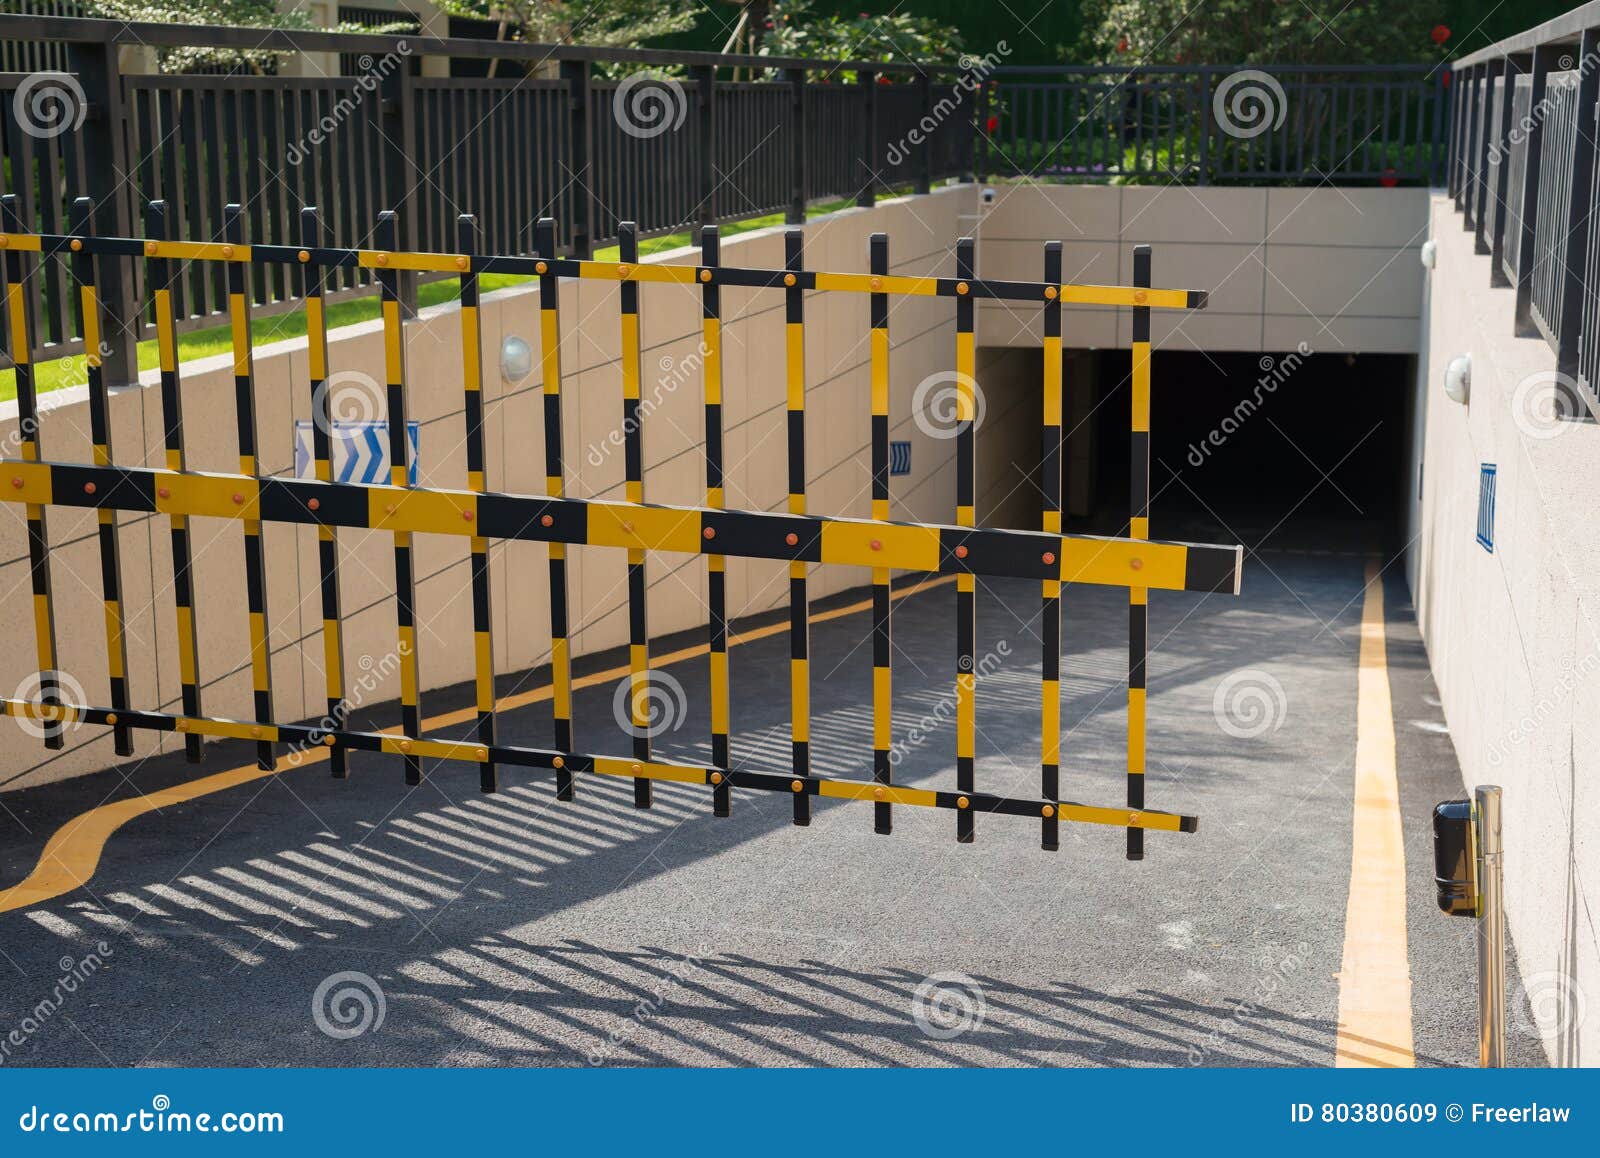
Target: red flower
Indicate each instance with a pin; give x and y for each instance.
(1445, 80)
(883, 80)
(1389, 179)
(1440, 34)
(994, 123)
(1122, 44)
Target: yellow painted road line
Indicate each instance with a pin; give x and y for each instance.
(1375, 978)
(72, 854)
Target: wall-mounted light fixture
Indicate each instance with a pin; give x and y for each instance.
(516, 359)
(1458, 378)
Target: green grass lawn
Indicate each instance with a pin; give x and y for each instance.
(204, 343)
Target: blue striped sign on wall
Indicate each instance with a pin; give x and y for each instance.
(1486, 474)
(360, 451)
(899, 458)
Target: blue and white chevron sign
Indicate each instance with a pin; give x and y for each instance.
(360, 451)
(899, 458)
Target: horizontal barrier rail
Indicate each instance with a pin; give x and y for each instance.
(1091, 559)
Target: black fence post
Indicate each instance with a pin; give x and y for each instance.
(1203, 177)
(980, 124)
(925, 153)
(1502, 186)
(1482, 221)
(867, 81)
(705, 76)
(1543, 58)
(1574, 270)
(581, 123)
(797, 146)
(105, 144)
(400, 172)
(1471, 152)
(1438, 147)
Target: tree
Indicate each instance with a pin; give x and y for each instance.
(1260, 31)
(616, 23)
(239, 13)
(791, 28)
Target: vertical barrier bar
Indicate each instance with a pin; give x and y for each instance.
(1050, 460)
(160, 282)
(405, 579)
(472, 385)
(83, 269)
(244, 402)
(1491, 929)
(633, 491)
(716, 565)
(550, 369)
(966, 499)
(882, 680)
(1139, 528)
(322, 453)
(794, 297)
(19, 277)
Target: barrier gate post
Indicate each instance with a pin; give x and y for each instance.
(1491, 930)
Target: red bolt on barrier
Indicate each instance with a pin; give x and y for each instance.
(314, 504)
(709, 533)
(88, 488)
(546, 521)
(791, 538)
(1049, 557)
(961, 552)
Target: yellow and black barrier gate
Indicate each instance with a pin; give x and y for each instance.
(797, 536)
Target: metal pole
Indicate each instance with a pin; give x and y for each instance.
(1491, 931)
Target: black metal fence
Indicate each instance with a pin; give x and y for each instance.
(1216, 124)
(1522, 172)
(674, 144)
(670, 146)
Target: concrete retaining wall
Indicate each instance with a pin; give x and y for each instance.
(1335, 268)
(1512, 634)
